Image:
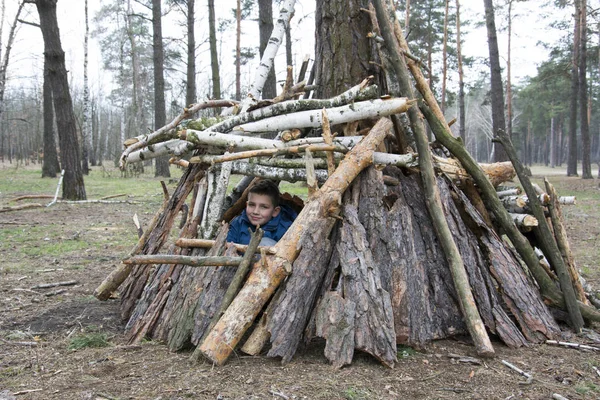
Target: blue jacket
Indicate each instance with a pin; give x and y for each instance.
(274, 229)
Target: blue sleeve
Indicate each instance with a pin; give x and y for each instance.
(234, 231)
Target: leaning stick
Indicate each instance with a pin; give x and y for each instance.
(235, 285)
(184, 260)
(460, 277)
(560, 235)
(208, 243)
(275, 152)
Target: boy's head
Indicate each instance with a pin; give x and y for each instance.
(263, 203)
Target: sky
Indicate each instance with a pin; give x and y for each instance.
(26, 59)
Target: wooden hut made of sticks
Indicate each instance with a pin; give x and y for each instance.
(390, 246)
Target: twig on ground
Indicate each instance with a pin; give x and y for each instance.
(26, 391)
(520, 371)
(573, 345)
(278, 394)
(55, 292)
(55, 284)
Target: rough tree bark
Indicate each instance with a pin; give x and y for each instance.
(341, 35)
(50, 166)
(54, 56)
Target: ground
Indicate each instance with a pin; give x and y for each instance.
(84, 242)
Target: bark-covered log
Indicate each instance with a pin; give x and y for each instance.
(560, 234)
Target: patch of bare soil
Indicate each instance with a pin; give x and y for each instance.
(101, 235)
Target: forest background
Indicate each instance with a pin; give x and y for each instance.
(539, 33)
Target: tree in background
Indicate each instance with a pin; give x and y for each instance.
(4, 59)
(214, 56)
(86, 134)
(461, 82)
(586, 168)
(50, 166)
(265, 27)
(160, 113)
(54, 56)
(497, 92)
(572, 158)
(190, 87)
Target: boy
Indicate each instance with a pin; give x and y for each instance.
(262, 209)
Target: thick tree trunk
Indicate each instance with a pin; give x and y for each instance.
(160, 113)
(341, 35)
(50, 165)
(54, 57)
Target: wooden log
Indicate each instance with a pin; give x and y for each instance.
(433, 201)
(184, 260)
(21, 207)
(524, 220)
(545, 237)
(236, 283)
(208, 243)
(509, 192)
(562, 241)
(337, 115)
(262, 282)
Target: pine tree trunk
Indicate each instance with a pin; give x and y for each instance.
(190, 81)
(214, 57)
(572, 141)
(160, 113)
(586, 165)
(54, 57)
(50, 166)
(462, 129)
(341, 35)
(497, 92)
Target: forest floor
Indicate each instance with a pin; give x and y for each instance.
(47, 341)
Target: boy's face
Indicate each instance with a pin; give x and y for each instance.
(260, 209)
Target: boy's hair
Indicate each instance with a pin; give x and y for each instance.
(269, 188)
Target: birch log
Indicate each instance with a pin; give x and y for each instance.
(266, 62)
(263, 282)
(336, 115)
(357, 93)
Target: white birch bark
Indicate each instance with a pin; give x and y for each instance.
(174, 147)
(217, 189)
(336, 115)
(86, 126)
(358, 92)
(266, 63)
